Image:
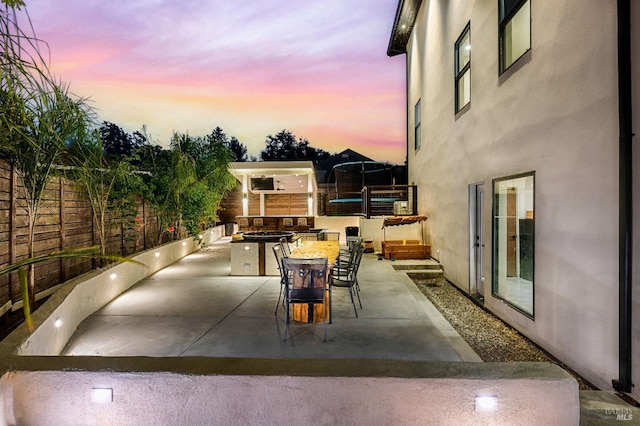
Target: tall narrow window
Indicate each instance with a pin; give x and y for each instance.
(514, 31)
(417, 118)
(463, 68)
(513, 241)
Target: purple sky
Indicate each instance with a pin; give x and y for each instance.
(316, 67)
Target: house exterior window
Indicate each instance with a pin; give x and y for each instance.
(513, 241)
(417, 118)
(514, 31)
(463, 68)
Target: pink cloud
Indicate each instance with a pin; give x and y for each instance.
(251, 67)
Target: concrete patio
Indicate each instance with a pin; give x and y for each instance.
(191, 344)
(195, 308)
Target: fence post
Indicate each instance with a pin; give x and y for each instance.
(12, 228)
(144, 225)
(63, 224)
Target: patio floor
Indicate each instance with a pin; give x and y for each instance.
(195, 308)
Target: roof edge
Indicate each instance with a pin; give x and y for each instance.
(403, 23)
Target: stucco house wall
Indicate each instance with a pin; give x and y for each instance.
(555, 113)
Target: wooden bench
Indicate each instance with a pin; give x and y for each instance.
(405, 249)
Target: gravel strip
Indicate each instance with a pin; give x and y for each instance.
(488, 336)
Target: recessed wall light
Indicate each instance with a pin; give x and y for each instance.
(101, 395)
(486, 403)
(58, 323)
(113, 276)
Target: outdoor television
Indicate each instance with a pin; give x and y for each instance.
(262, 184)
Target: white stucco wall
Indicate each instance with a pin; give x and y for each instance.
(526, 395)
(554, 112)
(336, 224)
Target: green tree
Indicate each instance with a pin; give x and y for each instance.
(117, 143)
(285, 147)
(14, 3)
(238, 149)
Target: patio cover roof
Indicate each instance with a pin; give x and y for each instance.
(402, 26)
(291, 176)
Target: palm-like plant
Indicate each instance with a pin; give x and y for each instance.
(99, 177)
(38, 116)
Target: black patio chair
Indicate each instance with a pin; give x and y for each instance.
(277, 251)
(345, 275)
(284, 244)
(305, 281)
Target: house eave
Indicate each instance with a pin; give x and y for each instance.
(403, 26)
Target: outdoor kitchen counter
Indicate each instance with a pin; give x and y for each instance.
(255, 257)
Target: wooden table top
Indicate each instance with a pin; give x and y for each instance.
(315, 249)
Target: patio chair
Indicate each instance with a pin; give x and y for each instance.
(305, 281)
(277, 251)
(308, 236)
(345, 275)
(284, 245)
(332, 236)
(353, 243)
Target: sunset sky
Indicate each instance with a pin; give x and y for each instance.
(315, 67)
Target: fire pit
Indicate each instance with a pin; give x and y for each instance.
(267, 236)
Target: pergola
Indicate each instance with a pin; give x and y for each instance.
(276, 177)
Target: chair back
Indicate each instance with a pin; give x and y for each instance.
(332, 236)
(284, 246)
(305, 279)
(308, 236)
(353, 243)
(357, 259)
(277, 251)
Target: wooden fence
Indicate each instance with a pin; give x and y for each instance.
(64, 222)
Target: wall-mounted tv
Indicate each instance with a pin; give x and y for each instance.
(262, 184)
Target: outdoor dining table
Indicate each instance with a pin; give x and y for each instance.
(309, 312)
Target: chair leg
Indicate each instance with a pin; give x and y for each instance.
(352, 301)
(279, 297)
(324, 320)
(357, 291)
(286, 320)
(330, 306)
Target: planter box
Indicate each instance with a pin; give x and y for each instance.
(405, 249)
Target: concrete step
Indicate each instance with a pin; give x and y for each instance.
(424, 273)
(416, 265)
(419, 268)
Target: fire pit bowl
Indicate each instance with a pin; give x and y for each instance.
(267, 236)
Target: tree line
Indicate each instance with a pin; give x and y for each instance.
(282, 146)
